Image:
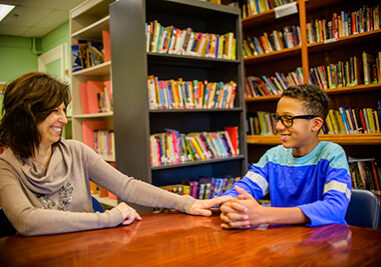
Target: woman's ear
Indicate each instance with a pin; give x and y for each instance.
(317, 123)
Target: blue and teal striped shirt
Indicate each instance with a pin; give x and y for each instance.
(318, 183)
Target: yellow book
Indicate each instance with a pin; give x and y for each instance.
(340, 121)
(195, 145)
(330, 125)
(372, 126)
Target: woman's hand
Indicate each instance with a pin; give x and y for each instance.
(129, 214)
(202, 207)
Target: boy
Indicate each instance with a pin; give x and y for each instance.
(308, 181)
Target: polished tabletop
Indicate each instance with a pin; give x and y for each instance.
(184, 240)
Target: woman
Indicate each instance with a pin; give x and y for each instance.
(44, 179)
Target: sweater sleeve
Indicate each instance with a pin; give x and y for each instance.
(336, 194)
(132, 190)
(30, 220)
(255, 182)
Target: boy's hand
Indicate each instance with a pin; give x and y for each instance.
(202, 207)
(242, 212)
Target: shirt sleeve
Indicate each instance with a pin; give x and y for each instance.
(336, 193)
(255, 182)
(130, 189)
(30, 220)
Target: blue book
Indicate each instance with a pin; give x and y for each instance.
(343, 117)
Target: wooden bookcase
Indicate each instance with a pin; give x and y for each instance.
(131, 65)
(87, 21)
(310, 55)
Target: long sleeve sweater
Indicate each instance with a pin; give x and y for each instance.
(40, 201)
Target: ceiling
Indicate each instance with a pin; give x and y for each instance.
(35, 18)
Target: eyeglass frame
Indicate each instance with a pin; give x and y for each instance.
(275, 118)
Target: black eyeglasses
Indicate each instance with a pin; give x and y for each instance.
(288, 120)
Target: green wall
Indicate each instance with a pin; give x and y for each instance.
(16, 57)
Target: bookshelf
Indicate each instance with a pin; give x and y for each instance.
(87, 21)
(307, 56)
(134, 122)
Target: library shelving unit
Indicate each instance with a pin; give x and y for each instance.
(310, 55)
(134, 122)
(87, 21)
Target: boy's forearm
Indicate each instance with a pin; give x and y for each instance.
(291, 215)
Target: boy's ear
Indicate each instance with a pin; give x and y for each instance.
(317, 123)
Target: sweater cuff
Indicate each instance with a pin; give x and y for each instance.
(186, 203)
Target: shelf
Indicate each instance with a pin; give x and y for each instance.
(101, 69)
(340, 42)
(171, 59)
(105, 200)
(341, 139)
(194, 110)
(202, 10)
(197, 162)
(93, 115)
(288, 52)
(91, 9)
(261, 18)
(258, 19)
(343, 90)
(93, 31)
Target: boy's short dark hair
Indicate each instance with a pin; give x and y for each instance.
(315, 100)
(28, 100)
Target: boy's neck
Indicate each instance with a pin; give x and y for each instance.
(304, 150)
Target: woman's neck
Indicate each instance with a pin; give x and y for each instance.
(42, 155)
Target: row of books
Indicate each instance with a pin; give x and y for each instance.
(342, 121)
(353, 120)
(96, 96)
(365, 174)
(172, 40)
(204, 188)
(260, 124)
(97, 135)
(172, 147)
(104, 143)
(344, 24)
(274, 85)
(253, 7)
(353, 72)
(287, 37)
(86, 54)
(179, 94)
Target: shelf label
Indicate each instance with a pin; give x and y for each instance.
(285, 10)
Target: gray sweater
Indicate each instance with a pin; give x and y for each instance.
(57, 199)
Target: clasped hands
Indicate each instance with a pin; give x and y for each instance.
(243, 212)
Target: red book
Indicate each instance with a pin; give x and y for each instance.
(375, 175)
(93, 88)
(106, 45)
(88, 128)
(233, 134)
(83, 91)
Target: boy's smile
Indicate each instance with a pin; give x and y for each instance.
(301, 136)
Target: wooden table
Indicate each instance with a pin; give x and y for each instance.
(183, 240)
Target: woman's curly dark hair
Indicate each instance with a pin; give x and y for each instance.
(28, 100)
(314, 99)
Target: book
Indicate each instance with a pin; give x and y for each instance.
(106, 45)
(76, 57)
(233, 134)
(88, 128)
